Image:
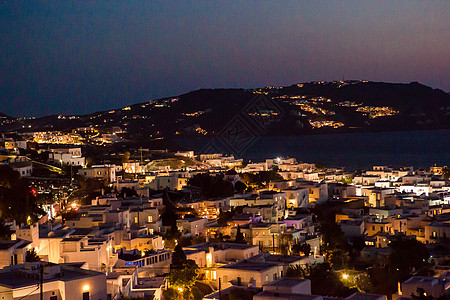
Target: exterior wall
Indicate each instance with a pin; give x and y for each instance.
(24, 171)
(108, 173)
(50, 247)
(374, 228)
(382, 214)
(97, 288)
(436, 231)
(297, 197)
(260, 277)
(352, 229)
(195, 227)
(199, 258)
(268, 213)
(318, 194)
(433, 286)
(5, 257)
(68, 290)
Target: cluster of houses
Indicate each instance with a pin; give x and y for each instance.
(114, 247)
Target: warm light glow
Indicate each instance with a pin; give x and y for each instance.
(86, 288)
(180, 289)
(345, 276)
(209, 259)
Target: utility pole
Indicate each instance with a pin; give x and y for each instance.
(220, 288)
(41, 282)
(273, 243)
(141, 154)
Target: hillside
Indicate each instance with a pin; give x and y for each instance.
(308, 108)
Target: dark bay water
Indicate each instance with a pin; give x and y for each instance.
(352, 150)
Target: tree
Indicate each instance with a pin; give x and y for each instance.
(32, 256)
(260, 179)
(421, 295)
(183, 278)
(446, 173)
(169, 216)
(178, 257)
(240, 187)
(286, 243)
(239, 236)
(212, 186)
(407, 255)
(171, 236)
(126, 157)
(225, 216)
(302, 249)
(5, 230)
(323, 280)
(16, 198)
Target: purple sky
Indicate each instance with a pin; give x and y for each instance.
(76, 57)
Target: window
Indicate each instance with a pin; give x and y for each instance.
(150, 219)
(267, 279)
(53, 297)
(136, 220)
(86, 296)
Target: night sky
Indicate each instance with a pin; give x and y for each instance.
(76, 57)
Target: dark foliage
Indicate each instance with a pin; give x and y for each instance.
(16, 199)
(302, 249)
(323, 280)
(240, 187)
(239, 236)
(127, 192)
(407, 255)
(260, 179)
(32, 256)
(178, 257)
(212, 186)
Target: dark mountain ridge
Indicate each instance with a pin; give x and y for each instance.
(306, 108)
